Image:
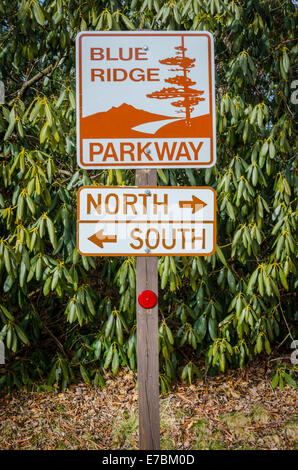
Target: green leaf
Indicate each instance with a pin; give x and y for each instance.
(35, 111)
(109, 357)
(252, 281)
(127, 22)
(222, 362)
(119, 330)
(85, 375)
(98, 380)
(44, 132)
(212, 328)
(185, 372)
(7, 313)
(283, 279)
(115, 362)
(109, 325)
(285, 61)
(48, 114)
(12, 121)
(38, 13)
(221, 256)
(201, 327)
(30, 204)
(162, 175)
(259, 344)
(51, 231)
(264, 149)
(267, 346)
(23, 271)
(169, 335)
(47, 286)
(7, 260)
(21, 334)
(290, 381)
(275, 380)
(190, 176)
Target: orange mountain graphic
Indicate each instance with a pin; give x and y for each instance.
(118, 122)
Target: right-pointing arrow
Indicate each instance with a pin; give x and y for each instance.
(196, 204)
(99, 238)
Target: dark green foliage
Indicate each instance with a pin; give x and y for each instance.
(62, 314)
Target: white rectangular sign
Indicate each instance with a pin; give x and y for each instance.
(146, 221)
(145, 99)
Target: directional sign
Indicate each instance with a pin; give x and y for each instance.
(146, 221)
(145, 99)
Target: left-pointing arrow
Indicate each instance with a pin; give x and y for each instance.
(99, 238)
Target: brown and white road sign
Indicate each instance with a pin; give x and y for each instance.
(145, 99)
(146, 221)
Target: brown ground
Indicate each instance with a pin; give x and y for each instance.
(238, 410)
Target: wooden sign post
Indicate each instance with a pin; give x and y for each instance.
(2, 93)
(147, 341)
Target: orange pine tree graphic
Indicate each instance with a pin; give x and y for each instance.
(191, 97)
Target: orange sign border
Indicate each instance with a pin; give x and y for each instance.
(92, 166)
(147, 187)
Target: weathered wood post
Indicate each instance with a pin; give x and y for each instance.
(147, 341)
(2, 93)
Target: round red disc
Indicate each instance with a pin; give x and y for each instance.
(147, 299)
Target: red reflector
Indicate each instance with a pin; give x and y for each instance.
(147, 299)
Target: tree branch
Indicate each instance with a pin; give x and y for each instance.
(45, 72)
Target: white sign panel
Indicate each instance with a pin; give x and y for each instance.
(146, 221)
(145, 99)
